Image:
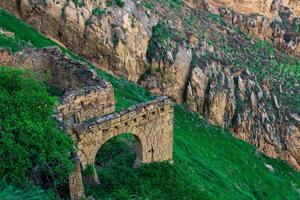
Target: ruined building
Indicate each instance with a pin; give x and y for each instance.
(87, 112)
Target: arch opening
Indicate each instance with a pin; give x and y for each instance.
(117, 154)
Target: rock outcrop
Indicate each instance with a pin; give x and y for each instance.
(265, 29)
(232, 98)
(260, 18)
(117, 40)
(211, 92)
(267, 8)
(170, 78)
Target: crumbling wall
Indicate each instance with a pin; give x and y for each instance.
(86, 95)
(87, 112)
(151, 123)
(84, 104)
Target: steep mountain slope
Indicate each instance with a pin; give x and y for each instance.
(268, 8)
(193, 56)
(208, 162)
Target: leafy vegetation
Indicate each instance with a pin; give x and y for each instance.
(164, 41)
(12, 42)
(171, 3)
(120, 3)
(208, 162)
(13, 193)
(78, 3)
(266, 63)
(120, 181)
(99, 11)
(33, 149)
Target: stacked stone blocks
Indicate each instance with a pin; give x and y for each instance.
(87, 111)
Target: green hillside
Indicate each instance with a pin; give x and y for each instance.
(208, 162)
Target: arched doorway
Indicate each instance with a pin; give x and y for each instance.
(116, 154)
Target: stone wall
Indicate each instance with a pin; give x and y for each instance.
(90, 102)
(151, 123)
(87, 112)
(85, 94)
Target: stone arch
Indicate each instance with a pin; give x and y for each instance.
(87, 148)
(151, 123)
(140, 145)
(87, 111)
(93, 179)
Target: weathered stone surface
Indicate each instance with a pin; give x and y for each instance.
(76, 184)
(116, 40)
(211, 92)
(197, 90)
(6, 57)
(87, 112)
(236, 101)
(267, 8)
(264, 28)
(151, 123)
(170, 78)
(85, 94)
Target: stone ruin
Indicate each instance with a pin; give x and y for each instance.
(87, 112)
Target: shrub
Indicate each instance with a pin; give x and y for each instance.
(120, 3)
(33, 149)
(13, 193)
(99, 11)
(164, 39)
(78, 3)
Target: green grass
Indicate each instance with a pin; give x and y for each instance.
(13, 193)
(208, 162)
(264, 61)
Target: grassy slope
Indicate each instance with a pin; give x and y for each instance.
(209, 163)
(12, 193)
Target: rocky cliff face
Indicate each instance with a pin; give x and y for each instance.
(274, 31)
(178, 58)
(266, 19)
(233, 99)
(267, 8)
(112, 37)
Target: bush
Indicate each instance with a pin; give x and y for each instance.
(99, 11)
(13, 193)
(164, 40)
(120, 3)
(33, 149)
(78, 3)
